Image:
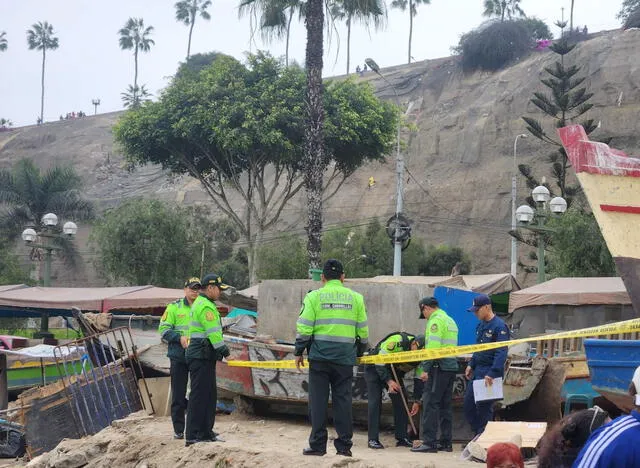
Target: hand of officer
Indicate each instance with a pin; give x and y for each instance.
(184, 342)
(394, 387)
(299, 362)
(424, 376)
(488, 381)
(468, 373)
(415, 408)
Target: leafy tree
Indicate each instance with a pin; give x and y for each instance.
(10, 270)
(150, 242)
(504, 9)
(495, 45)
(628, 7)
(274, 18)
(633, 19)
(365, 11)
(5, 123)
(567, 101)
(538, 29)
(27, 194)
(133, 97)
(187, 11)
(578, 248)
(440, 259)
(241, 128)
(412, 6)
(3, 41)
(134, 36)
(41, 37)
(274, 265)
(195, 64)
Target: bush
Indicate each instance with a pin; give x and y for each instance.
(633, 20)
(440, 260)
(538, 29)
(495, 45)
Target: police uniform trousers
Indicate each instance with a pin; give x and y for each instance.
(437, 394)
(480, 413)
(179, 378)
(374, 404)
(201, 411)
(324, 375)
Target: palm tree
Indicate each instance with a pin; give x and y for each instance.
(27, 194)
(503, 8)
(40, 37)
(134, 96)
(365, 11)
(275, 17)
(135, 36)
(571, 17)
(3, 41)
(187, 11)
(412, 6)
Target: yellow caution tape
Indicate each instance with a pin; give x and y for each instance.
(618, 328)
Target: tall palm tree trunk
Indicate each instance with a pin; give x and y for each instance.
(286, 56)
(193, 22)
(44, 50)
(348, 42)
(314, 151)
(410, 29)
(571, 18)
(135, 61)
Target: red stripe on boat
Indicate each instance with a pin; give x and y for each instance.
(621, 209)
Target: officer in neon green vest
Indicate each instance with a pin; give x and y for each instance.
(332, 327)
(173, 329)
(439, 377)
(206, 346)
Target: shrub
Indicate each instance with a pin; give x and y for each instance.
(633, 20)
(538, 29)
(495, 45)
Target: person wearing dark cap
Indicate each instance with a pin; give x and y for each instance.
(438, 377)
(173, 329)
(484, 365)
(332, 327)
(380, 376)
(206, 346)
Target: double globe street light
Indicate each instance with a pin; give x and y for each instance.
(45, 240)
(526, 216)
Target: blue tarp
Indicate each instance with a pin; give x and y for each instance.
(456, 302)
(237, 311)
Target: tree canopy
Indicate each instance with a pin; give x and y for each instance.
(240, 127)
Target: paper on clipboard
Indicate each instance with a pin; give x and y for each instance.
(482, 392)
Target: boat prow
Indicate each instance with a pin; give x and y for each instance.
(611, 181)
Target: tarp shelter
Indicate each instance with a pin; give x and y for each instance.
(569, 304)
(456, 303)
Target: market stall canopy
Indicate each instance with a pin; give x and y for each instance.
(484, 284)
(149, 297)
(571, 291)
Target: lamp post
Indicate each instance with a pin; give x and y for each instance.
(397, 244)
(514, 242)
(44, 240)
(96, 103)
(526, 215)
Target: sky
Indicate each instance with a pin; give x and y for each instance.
(90, 65)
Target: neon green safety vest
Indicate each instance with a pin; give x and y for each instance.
(393, 344)
(204, 324)
(331, 319)
(174, 324)
(441, 332)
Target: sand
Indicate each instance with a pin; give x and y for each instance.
(146, 442)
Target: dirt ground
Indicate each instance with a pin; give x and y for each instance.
(141, 441)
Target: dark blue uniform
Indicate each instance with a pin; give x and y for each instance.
(483, 363)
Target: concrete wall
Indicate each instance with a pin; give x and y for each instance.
(390, 307)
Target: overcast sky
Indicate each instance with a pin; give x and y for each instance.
(89, 63)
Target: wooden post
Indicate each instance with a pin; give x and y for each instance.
(4, 383)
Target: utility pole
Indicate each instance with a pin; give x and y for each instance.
(96, 103)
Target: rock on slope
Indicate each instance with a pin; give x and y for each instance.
(459, 161)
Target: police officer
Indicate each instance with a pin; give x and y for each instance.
(332, 327)
(380, 376)
(206, 346)
(438, 378)
(173, 329)
(484, 365)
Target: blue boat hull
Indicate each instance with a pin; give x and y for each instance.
(611, 366)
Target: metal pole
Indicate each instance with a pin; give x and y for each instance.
(514, 242)
(202, 261)
(44, 320)
(540, 234)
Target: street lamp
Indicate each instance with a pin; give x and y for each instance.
(526, 215)
(514, 242)
(46, 237)
(397, 244)
(96, 103)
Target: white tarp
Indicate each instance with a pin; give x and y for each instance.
(46, 352)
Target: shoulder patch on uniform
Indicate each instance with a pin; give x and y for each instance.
(503, 332)
(434, 328)
(209, 316)
(391, 346)
(164, 316)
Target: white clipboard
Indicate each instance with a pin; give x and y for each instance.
(482, 392)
